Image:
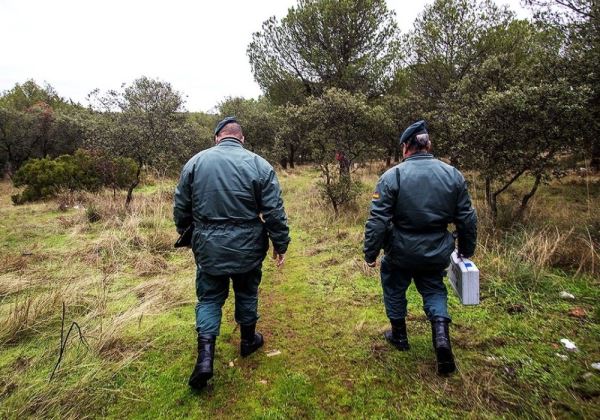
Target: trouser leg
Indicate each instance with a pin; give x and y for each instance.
(394, 281)
(245, 287)
(430, 285)
(212, 291)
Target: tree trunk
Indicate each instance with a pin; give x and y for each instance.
(7, 171)
(344, 164)
(527, 197)
(396, 154)
(133, 186)
(490, 199)
(291, 156)
(283, 162)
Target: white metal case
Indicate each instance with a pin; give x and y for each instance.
(464, 278)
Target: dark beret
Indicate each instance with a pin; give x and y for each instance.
(420, 127)
(223, 123)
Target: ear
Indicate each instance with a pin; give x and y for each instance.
(243, 139)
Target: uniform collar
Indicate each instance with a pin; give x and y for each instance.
(418, 156)
(230, 141)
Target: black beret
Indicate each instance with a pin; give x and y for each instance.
(420, 127)
(223, 123)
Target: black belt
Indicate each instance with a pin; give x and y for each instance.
(236, 222)
(428, 229)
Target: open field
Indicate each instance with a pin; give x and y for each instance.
(133, 297)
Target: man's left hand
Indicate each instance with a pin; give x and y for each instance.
(279, 259)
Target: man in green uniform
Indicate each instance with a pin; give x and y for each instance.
(232, 200)
(411, 208)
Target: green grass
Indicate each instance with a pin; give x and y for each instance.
(323, 311)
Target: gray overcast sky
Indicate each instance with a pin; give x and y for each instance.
(197, 46)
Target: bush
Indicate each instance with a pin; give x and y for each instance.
(83, 171)
(42, 178)
(338, 189)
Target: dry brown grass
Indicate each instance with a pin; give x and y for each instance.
(561, 228)
(138, 239)
(111, 275)
(28, 313)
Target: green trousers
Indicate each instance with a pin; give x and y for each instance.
(429, 282)
(212, 292)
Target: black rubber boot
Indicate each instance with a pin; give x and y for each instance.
(203, 370)
(397, 335)
(441, 345)
(251, 340)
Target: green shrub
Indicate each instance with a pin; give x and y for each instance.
(339, 190)
(42, 178)
(83, 171)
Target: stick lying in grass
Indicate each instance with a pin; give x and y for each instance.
(63, 339)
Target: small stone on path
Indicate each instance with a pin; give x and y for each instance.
(568, 344)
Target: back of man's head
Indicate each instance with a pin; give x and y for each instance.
(419, 142)
(232, 129)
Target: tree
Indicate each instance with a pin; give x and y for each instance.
(347, 44)
(143, 121)
(576, 8)
(260, 122)
(580, 20)
(16, 143)
(516, 113)
(197, 135)
(341, 129)
(400, 112)
(24, 96)
(36, 122)
(446, 43)
(291, 134)
(548, 125)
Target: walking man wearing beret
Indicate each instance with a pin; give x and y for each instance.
(412, 206)
(231, 200)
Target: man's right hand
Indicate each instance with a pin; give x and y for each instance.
(279, 259)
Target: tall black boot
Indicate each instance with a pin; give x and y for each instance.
(251, 340)
(441, 344)
(203, 370)
(397, 336)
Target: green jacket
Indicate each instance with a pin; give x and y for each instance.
(233, 198)
(412, 206)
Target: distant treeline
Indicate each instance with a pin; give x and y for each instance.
(503, 96)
